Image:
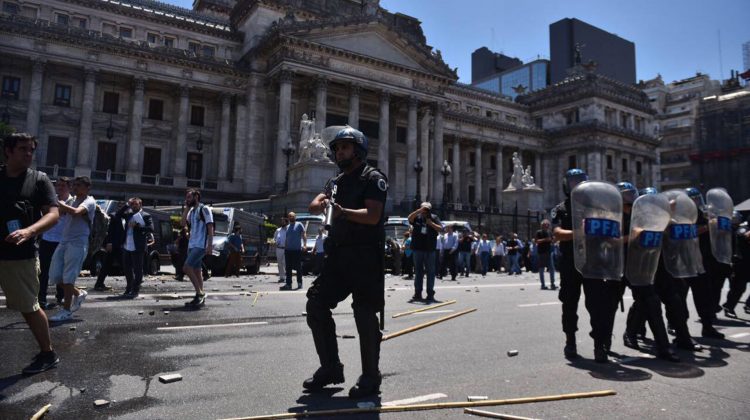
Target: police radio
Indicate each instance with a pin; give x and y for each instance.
(329, 208)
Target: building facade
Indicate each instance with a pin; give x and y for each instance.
(149, 98)
(572, 39)
(677, 106)
(516, 81)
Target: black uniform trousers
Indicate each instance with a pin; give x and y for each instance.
(600, 297)
(109, 260)
(646, 307)
(355, 270)
(738, 283)
(716, 274)
(667, 288)
(702, 297)
(449, 263)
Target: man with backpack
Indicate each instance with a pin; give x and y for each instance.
(28, 209)
(199, 219)
(73, 248)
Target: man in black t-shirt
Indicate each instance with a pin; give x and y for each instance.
(425, 229)
(543, 240)
(28, 208)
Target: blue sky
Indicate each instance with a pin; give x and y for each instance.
(675, 38)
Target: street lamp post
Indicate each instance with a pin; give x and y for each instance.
(288, 151)
(446, 172)
(418, 169)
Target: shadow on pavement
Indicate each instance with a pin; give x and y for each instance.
(710, 357)
(668, 369)
(610, 371)
(7, 382)
(327, 400)
(20, 325)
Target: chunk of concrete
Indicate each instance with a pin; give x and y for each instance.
(168, 379)
(101, 403)
(512, 353)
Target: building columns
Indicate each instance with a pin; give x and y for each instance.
(478, 173)
(35, 98)
(226, 108)
(437, 176)
(240, 140)
(321, 105)
(282, 136)
(455, 184)
(424, 155)
(83, 164)
(538, 169)
(383, 150)
(136, 125)
(499, 176)
(411, 148)
(354, 91)
(180, 161)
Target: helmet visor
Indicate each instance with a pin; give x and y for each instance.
(629, 196)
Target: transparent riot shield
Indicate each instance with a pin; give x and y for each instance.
(649, 218)
(682, 255)
(597, 230)
(719, 206)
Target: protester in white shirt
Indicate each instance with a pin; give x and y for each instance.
(279, 238)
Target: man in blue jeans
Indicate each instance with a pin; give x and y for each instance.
(543, 240)
(295, 238)
(425, 229)
(514, 247)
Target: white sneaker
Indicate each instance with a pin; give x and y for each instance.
(78, 300)
(62, 315)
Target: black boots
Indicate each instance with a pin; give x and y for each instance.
(600, 352)
(630, 341)
(325, 375)
(367, 385)
(570, 346)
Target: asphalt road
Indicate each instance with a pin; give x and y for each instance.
(247, 352)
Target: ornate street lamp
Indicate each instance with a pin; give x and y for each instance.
(445, 171)
(199, 142)
(288, 151)
(418, 169)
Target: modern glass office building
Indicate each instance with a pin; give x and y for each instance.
(529, 77)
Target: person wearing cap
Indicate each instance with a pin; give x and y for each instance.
(425, 229)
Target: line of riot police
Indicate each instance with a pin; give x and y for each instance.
(657, 244)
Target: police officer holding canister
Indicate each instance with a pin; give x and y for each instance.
(353, 264)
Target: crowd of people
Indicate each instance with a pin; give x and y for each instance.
(433, 249)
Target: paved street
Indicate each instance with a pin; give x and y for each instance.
(248, 351)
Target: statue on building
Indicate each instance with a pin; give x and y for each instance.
(516, 180)
(528, 179)
(370, 7)
(311, 146)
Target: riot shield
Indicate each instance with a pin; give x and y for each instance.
(719, 206)
(682, 255)
(649, 217)
(597, 230)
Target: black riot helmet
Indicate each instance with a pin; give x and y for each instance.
(572, 178)
(627, 191)
(647, 191)
(697, 197)
(354, 136)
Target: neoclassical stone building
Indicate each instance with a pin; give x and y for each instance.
(148, 98)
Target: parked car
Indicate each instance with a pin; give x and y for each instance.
(395, 227)
(312, 224)
(253, 237)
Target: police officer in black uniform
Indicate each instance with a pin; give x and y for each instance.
(353, 265)
(599, 294)
(646, 305)
(740, 266)
(707, 286)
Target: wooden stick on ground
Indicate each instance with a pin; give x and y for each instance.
(431, 406)
(427, 324)
(39, 414)
(424, 309)
(491, 415)
(256, 298)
